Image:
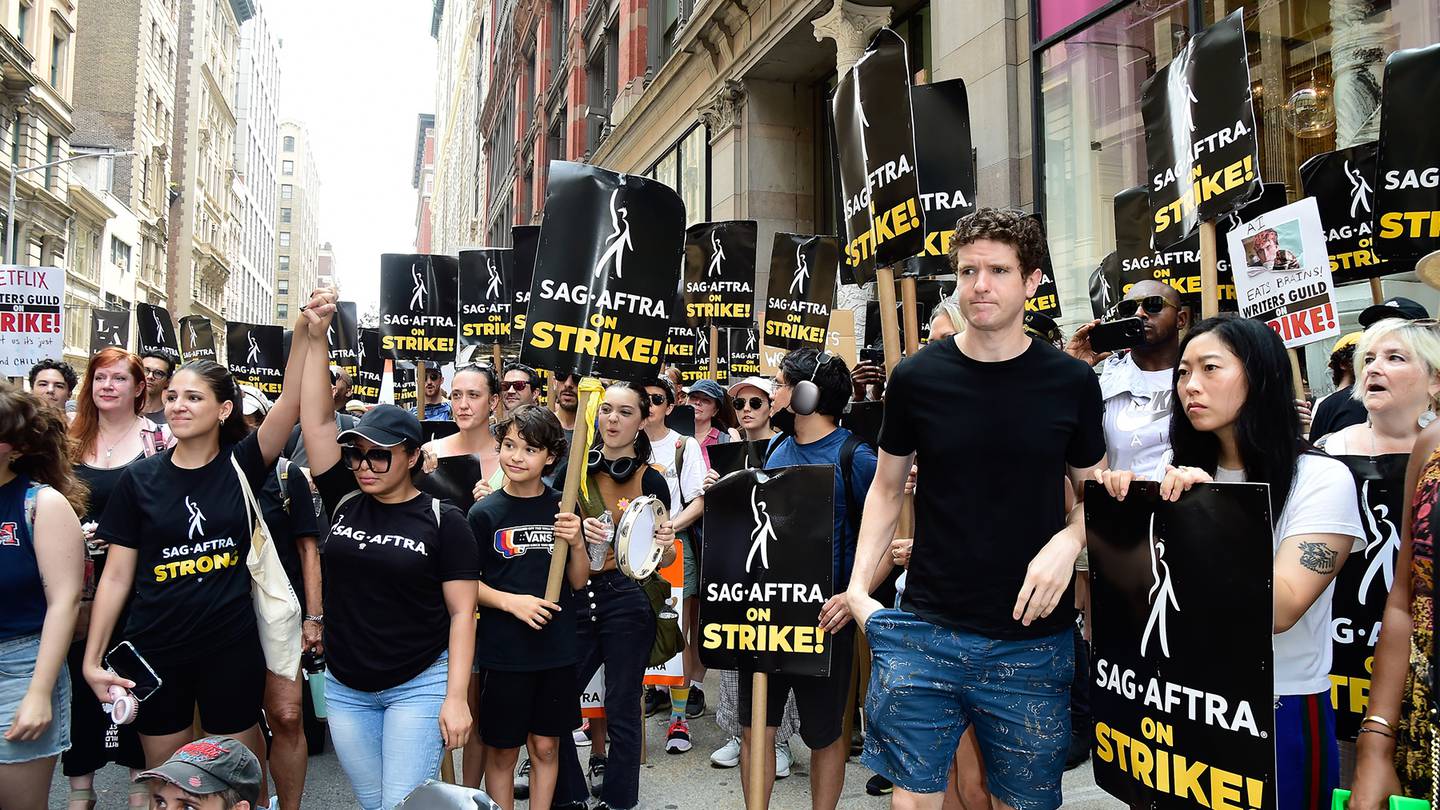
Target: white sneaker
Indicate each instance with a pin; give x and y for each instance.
(522, 774)
(782, 760)
(581, 734)
(727, 755)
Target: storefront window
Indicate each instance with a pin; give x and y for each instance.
(694, 176)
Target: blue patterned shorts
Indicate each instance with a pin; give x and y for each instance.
(928, 684)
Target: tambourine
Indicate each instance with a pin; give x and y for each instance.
(636, 552)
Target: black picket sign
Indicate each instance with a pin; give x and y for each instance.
(108, 327)
(875, 138)
(255, 354)
(1407, 194)
(679, 348)
(155, 331)
(486, 296)
(744, 354)
(802, 287)
(453, 479)
(343, 339)
(1181, 628)
(197, 339)
(1105, 287)
(419, 303)
(606, 271)
(370, 367)
(720, 273)
(1046, 300)
(405, 387)
(766, 571)
(928, 295)
(1343, 185)
(526, 239)
(1200, 140)
(947, 170)
(731, 456)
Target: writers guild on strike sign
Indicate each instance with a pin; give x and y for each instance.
(766, 571)
(720, 273)
(30, 317)
(486, 297)
(255, 354)
(419, 302)
(1282, 273)
(1407, 189)
(1181, 622)
(1363, 584)
(802, 285)
(1200, 133)
(606, 271)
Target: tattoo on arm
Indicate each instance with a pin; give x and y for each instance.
(1318, 557)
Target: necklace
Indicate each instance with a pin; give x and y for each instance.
(126, 432)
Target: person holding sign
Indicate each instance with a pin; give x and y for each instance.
(401, 574)
(567, 401)
(474, 392)
(989, 582)
(179, 530)
(519, 385)
(1237, 423)
(617, 628)
(816, 388)
(526, 644)
(435, 404)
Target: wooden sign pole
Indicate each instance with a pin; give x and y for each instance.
(579, 446)
(496, 365)
(420, 390)
(1209, 272)
(714, 361)
(1377, 294)
(758, 798)
(910, 314)
(889, 322)
(1296, 380)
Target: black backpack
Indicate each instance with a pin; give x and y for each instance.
(847, 472)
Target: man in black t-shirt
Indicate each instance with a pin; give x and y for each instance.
(982, 636)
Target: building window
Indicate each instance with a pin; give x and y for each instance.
(287, 191)
(57, 61)
(685, 167)
(15, 138)
(120, 254)
(284, 264)
(559, 18)
(52, 146)
(282, 311)
(529, 83)
(282, 287)
(285, 216)
(287, 167)
(289, 143)
(284, 239)
(22, 23)
(667, 20)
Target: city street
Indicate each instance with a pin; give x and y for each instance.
(667, 782)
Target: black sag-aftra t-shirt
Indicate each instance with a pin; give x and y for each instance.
(992, 442)
(516, 537)
(384, 566)
(191, 532)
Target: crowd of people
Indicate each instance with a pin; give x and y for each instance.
(124, 521)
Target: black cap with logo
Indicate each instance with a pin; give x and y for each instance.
(1397, 307)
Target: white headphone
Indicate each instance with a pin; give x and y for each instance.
(805, 396)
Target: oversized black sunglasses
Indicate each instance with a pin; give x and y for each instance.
(1152, 304)
(377, 457)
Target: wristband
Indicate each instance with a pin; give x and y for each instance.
(1375, 718)
(1082, 560)
(318, 619)
(1376, 731)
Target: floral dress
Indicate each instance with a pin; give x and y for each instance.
(1414, 737)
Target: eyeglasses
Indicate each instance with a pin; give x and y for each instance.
(755, 403)
(1152, 304)
(432, 376)
(514, 385)
(377, 457)
(657, 399)
(155, 374)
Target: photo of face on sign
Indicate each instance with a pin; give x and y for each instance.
(1273, 250)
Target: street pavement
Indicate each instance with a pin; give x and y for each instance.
(667, 781)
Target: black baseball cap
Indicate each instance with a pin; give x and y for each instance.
(386, 426)
(211, 765)
(1402, 308)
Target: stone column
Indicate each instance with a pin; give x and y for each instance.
(723, 115)
(851, 26)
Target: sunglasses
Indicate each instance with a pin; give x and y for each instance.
(1152, 304)
(755, 403)
(514, 385)
(377, 457)
(432, 376)
(657, 399)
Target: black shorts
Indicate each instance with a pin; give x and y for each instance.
(820, 702)
(518, 704)
(227, 687)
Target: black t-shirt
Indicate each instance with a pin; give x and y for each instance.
(295, 445)
(289, 523)
(191, 531)
(992, 443)
(516, 536)
(384, 566)
(1337, 412)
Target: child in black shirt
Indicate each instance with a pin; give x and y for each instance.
(526, 644)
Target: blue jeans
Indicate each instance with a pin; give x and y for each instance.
(928, 684)
(616, 627)
(389, 741)
(17, 668)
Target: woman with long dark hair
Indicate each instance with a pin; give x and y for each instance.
(1236, 422)
(179, 532)
(109, 433)
(616, 622)
(41, 570)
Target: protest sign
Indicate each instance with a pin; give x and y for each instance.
(1363, 584)
(197, 339)
(1181, 628)
(708, 344)
(680, 342)
(947, 170)
(1407, 198)
(486, 297)
(1200, 133)
(731, 456)
(606, 271)
(928, 295)
(766, 571)
(525, 238)
(840, 341)
(370, 367)
(1105, 287)
(343, 339)
(155, 331)
(109, 327)
(255, 354)
(453, 480)
(720, 273)
(404, 386)
(875, 139)
(672, 672)
(1343, 185)
(419, 305)
(1282, 273)
(802, 286)
(31, 323)
(744, 355)
(1046, 300)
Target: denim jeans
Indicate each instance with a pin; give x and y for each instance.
(389, 741)
(617, 629)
